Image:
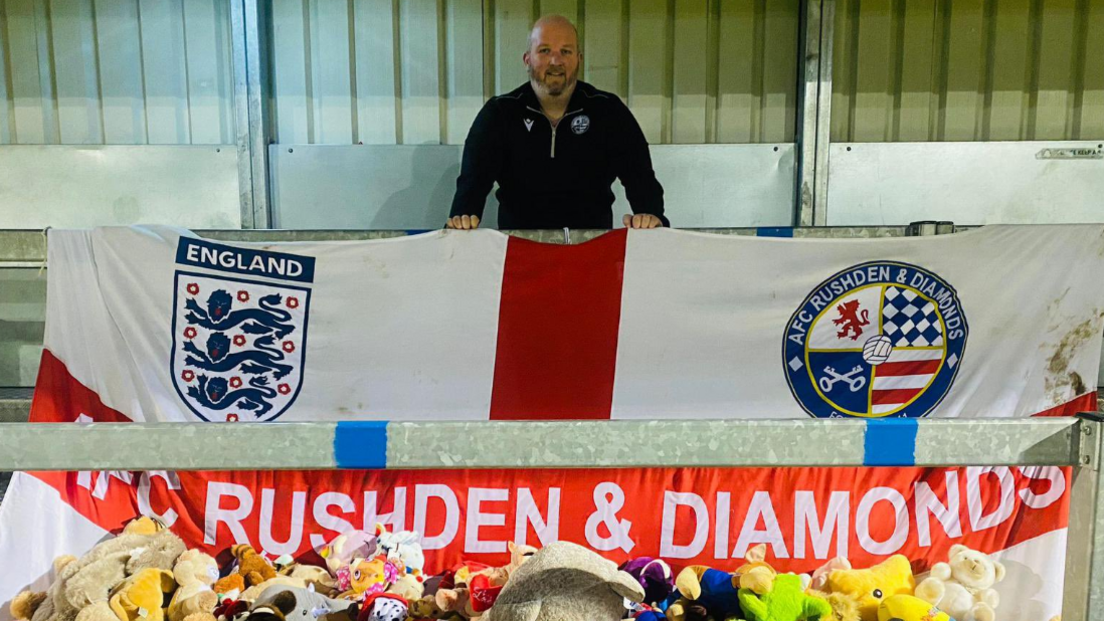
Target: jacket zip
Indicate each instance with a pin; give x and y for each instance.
(553, 126)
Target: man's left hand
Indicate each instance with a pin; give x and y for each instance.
(641, 221)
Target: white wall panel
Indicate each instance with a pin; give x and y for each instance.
(80, 120)
(378, 116)
(164, 71)
(692, 71)
(119, 47)
(86, 72)
(69, 186)
(210, 75)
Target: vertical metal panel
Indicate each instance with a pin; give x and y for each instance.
(1092, 74)
(824, 114)
(290, 71)
(512, 19)
(80, 120)
(1009, 42)
(740, 45)
(780, 32)
(419, 70)
(421, 79)
(374, 34)
(7, 109)
(1057, 60)
(115, 72)
(260, 123)
(691, 64)
(567, 8)
(605, 45)
(807, 121)
(649, 49)
(164, 71)
(464, 79)
(937, 70)
(242, 144)
(331, 71)
(118, 46)
(33, 105)
(207, 40)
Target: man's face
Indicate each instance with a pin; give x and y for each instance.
(553, 58)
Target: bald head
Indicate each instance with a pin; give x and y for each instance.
(558, 24)
(552, 59)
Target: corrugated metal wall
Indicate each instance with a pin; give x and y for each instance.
(115, 72)
(417, 71)
(971, 70)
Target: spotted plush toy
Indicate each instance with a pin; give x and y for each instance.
(384, 607)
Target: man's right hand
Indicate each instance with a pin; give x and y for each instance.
(462, 222)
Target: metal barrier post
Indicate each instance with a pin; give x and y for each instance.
(1083, 597)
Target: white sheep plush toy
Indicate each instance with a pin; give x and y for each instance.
(963, 586)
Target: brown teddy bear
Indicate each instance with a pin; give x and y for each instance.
(253, 569)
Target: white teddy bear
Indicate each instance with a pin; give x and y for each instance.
(963, 586)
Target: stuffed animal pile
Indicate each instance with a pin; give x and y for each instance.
(147, 574)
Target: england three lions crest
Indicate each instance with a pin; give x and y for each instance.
(239, 330)
(877, 339)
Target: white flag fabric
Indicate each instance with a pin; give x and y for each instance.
(161, 325)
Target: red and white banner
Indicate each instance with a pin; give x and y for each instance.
(161, 325)
(155, 324)
(687, 516)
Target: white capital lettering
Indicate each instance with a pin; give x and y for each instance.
(172, 481)
(295, 528)
(422, 496)
(671, 502)
(761, 506)
(213, 513)
(1057, 487)
(900, 515)
(327, 520)
(397, 517)
(528, 513)
(1004, 510)
(720, 530)
(927, 503)
(477, 518)
(836, 519)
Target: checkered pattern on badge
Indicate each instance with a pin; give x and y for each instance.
(910, 320)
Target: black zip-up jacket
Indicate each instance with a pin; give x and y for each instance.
(556, 177)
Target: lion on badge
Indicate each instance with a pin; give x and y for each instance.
(851, 320)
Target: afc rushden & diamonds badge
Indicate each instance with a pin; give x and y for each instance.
(875, 340)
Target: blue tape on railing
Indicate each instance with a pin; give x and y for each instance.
(361, 444)
(890, 442)
(774, 231)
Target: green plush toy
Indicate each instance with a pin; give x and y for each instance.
(786, 601)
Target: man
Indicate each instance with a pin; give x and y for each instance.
(555, 145)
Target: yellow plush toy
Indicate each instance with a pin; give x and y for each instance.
(141, 597)
(909, 608)
(869, 587)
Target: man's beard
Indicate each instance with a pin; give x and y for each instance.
(554, 90)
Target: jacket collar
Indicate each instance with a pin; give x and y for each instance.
(575, 104)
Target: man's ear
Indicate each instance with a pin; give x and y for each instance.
(525, 58)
